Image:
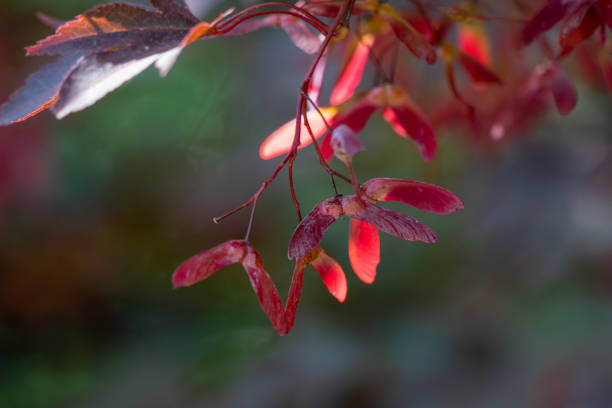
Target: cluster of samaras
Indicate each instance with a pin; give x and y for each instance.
(104, 47)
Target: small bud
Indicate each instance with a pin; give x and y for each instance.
(345, 143)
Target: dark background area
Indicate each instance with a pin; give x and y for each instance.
(511, 308)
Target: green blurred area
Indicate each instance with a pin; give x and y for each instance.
(512, 307)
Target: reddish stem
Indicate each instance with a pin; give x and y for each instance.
(270, 4)
(318, 25)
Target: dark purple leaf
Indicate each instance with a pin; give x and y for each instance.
(39, 92)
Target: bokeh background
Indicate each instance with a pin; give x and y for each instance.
(512, 308)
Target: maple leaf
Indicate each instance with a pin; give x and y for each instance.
(102, 49)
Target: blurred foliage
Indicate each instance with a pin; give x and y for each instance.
(511, 308)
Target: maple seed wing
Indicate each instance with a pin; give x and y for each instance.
(295, 292)
(408, 122)
(265, 290)
(201, 266)
(303, 38)
(39, 92)
(421, 195)
(479, 73)
(396, 224)
(352, 71)
(281, 140)
(310, 231)
(364, 249)
(332, 275)
(563, 92)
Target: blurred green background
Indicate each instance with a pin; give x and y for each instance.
(513, 306)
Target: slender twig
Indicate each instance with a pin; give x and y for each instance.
(316, 24)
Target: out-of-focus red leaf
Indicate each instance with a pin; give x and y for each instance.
(406, 33)
(265, 290)
(331, 273)
(364, 249)
(391, 222)
(40, 91)
(281, 140)
(201, 266)
(473, 41)
(579, 25)
(545, 19)
(415, 42)
(116, 25)
(479, 73)
(409, 122)
(352, 71)
(310, 231)
(424, 196)
(563, 92)
(604, 8)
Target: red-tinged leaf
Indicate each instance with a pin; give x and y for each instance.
(265, 290)
(391, 222)
(176, 8)
(166, 62)
(115, 25)
(479, 74)
(310, 231)
(39, 92)
(52, 22)
(545, 19)
(281, 140)
(101, 73)
(604, 8)
(295, 292)
(352, 71)
(563, 92)
(424, 196)
(303, 38)
(473, 41)
(331, 273)
(201, 266)
(579, 25)
(364, 250)
(409, 122)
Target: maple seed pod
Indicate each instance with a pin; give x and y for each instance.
(345, 143)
